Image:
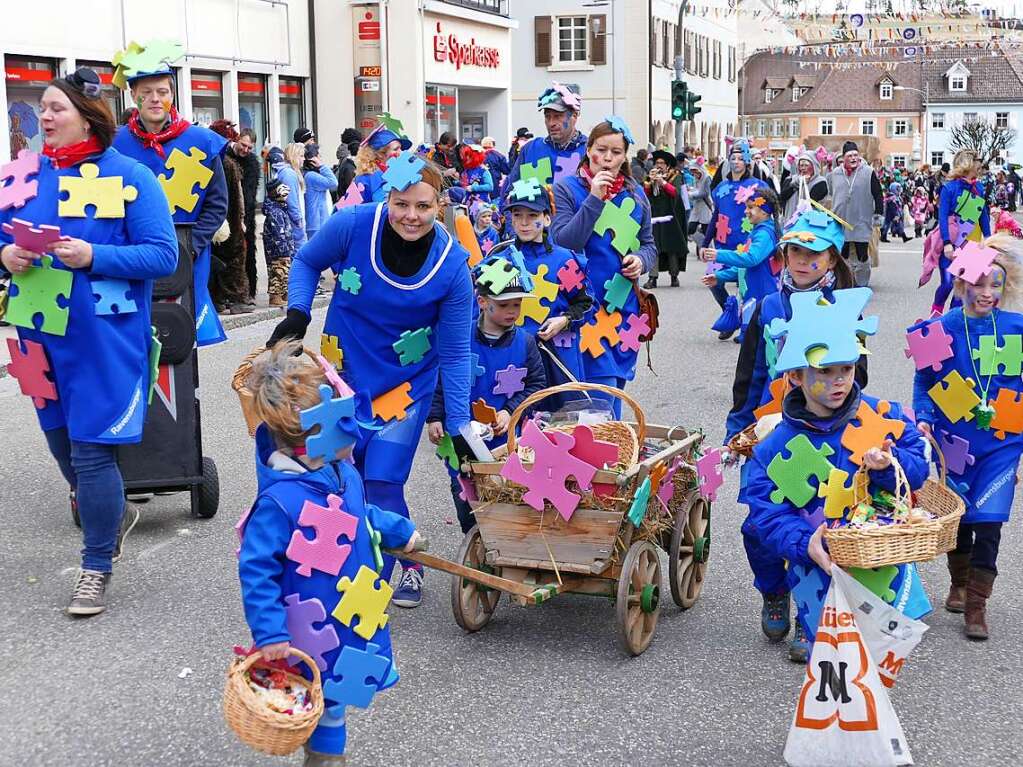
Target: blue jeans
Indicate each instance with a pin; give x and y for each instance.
(92, 472)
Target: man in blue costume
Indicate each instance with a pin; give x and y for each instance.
(186, 159)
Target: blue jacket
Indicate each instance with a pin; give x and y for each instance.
(755, 276)
(563, 161)
(948, 201)
(479, 182)
(729, 212)
(317, 184)
(296, 202)
(277, 239)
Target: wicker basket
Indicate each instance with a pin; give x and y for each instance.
(939, 499)
(744, 442)
(891, 544)
(245, 397)
(260, 727)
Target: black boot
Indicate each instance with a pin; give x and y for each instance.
(651, 283)
(674, 281)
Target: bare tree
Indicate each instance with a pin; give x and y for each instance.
(983, 137)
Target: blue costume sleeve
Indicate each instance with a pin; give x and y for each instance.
(288, 175)
(945, 210)
(536, 375)
(985, 216)
(214, 208)
(321, 180)
(761, 246)
(154, 249)
(329, 246)
(454, 329)
(486, 184)
(395, 530)
(729, 274)
(778, 525)
(572, 228)
(260, 569)
(911, 451)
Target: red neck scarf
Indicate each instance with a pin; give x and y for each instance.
(154, 141)
(613, 188)
(68, 156)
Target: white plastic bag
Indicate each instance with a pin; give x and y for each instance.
(843, 715)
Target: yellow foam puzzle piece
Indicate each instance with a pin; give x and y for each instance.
(955, 396)
(543, 290)
(188, 171)
(108, 194)
(331, 351)
(365, 598)
(839, 497)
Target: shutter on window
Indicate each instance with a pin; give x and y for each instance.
(598, 42)
(889, 128)
(542, 41)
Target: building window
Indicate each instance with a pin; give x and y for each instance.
(798, 91)
(292, 107)
(747, 128)
(761, 128)
(937, 121)
(716, 70)
(969, 117)
(900, 128)
(937, 159)
(1001, 119)
(794, 127)
(572, 39)
(26, 81)
(252, 105)
(898, 161)
(957, 82)
(827, 127)
(768, 95)
(887, 90)
(867, 127)
(776, 127)
(731, 63)
(441, 111)
(207, 97)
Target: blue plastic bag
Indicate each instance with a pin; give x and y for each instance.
(729, 320)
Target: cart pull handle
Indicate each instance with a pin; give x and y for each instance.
(532, 399)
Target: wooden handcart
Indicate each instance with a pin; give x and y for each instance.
(533, 556)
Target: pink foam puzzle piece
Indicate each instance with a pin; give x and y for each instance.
(930, 348)
(30, 368)
(28, 237)
(468, 490)
(323, 552)
(553, 464)
(722, 228)
(594, 452)
(570, 276)
(972, 261)
(629, 337)
(744, 193)
(353, 196)
(487, 246)
(708, 469)
(300, 615)
(15, 188)
(667, 489)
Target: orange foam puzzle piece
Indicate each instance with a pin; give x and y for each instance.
(604, 326)
(483, 413)
(779, 388)
(1008, 416)
(873, 430)
(393, 404)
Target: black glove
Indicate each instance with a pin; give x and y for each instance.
(292, 326)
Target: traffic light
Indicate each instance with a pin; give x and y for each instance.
(679, 94)
(691, 109)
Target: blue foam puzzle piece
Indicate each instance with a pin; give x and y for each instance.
(404, 170)
(475, 368)
(112, 296)
(336, 419)
(808, 594)
(351, 671)
(817, 323)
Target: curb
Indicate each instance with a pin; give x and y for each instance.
(235, 321)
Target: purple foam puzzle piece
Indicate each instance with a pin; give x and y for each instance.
(510, 381)
(15, 188)
(300, 615)
(963, 230)
(667, 489)
(567, 166)
(28, 237)
(930, 348)
(564, 339)
(323, 552)
(957, 452)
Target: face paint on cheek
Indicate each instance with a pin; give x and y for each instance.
(813, 265)
(817, 389)
(167, 105)
(139, 101)
(564, 123)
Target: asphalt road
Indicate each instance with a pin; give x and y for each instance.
(538, 686)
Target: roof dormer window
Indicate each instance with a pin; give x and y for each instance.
(887, 90)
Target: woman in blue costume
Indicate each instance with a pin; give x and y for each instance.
(963, 215)
(611, 262)
(168, 144)
(401, 312)
(96, 350)
(725, 230)
(379, 148)
(982, 445)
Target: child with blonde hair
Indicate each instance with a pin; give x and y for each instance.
(309, 529)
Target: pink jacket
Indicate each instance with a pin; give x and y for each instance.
(920, 208)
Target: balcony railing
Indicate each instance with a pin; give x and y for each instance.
(497, 7)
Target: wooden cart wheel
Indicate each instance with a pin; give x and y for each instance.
(472, 603)
(689, 551)
(639, 597)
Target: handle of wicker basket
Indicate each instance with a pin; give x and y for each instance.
(943, 470)
(245, 367)
(257, 656)
(576, 386)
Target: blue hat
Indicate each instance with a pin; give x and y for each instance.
(528, 193)
(822, 333)
(814, 230)
(381, 137)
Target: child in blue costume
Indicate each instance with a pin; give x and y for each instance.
(753, 260)
(482, 223)
(984, 446)
(97, 355)
(475, 177)
(159, 138)
(285, 589)
(376, 150)
(400, 313)
(729, 196)
(557, 155)
(815, 416)
(894, 220)
(961, 205)
(811, 248)
(611, 265)
(497, 344)
(555, 322)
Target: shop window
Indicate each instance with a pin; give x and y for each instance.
(111, 94)
(207, 97)
(26, 80)
(252, 109)
(441, 110)
(292, 107)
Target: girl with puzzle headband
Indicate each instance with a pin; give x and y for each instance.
(398, 317)
(603, 213)
(375, 151)
(967, 394)
(83, 310)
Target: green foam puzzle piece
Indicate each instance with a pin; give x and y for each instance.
(618, 219)
(640, 502)
(526, 189)
(446, 452)
(392, 124)
(791, 475)
(35, 291)
(135, 58)
(617, 291)
(540, 170)
(1009, 356)
(412, 345)
(497, 274)
(350, 281)
(374, 541)
(877, 580)
(154, 362)
(969, 206)
(747, 225)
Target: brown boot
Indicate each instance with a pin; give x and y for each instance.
(316, 759)
(959, 570)
(978, 590)
(276, 299)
